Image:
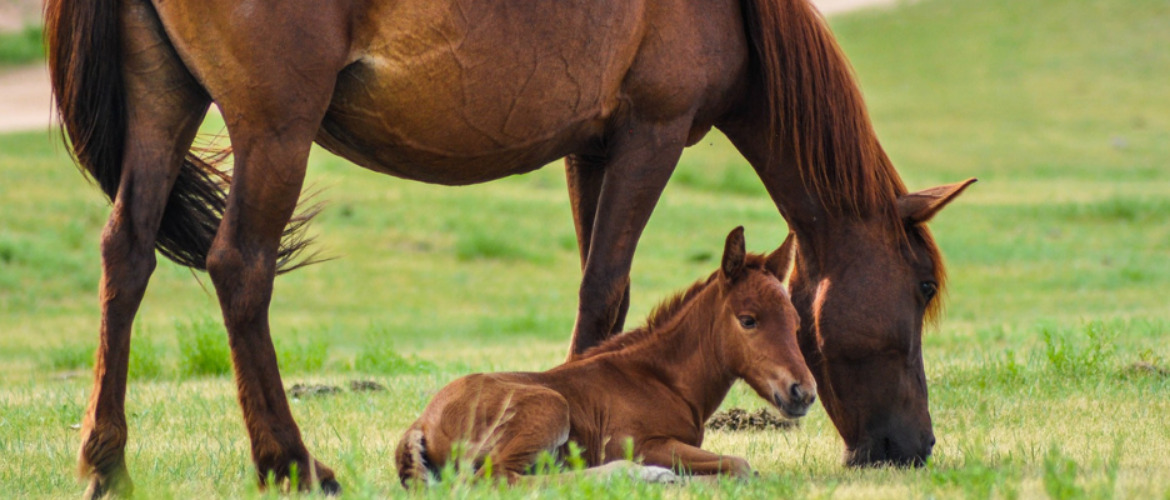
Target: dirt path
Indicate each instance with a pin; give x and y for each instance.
(829, 7)
(25, 96)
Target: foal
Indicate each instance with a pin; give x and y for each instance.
(655, 386)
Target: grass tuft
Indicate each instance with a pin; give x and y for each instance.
(475, 244)
(379, 356)
(203, 348)
(147, 360)
(1070, 357)
(301, 357)
(1060, 476)
(69, 357)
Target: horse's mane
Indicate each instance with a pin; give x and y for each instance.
(816, 108)
(662, 314)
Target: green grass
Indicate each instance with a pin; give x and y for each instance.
(1040, 374)
(22, 47)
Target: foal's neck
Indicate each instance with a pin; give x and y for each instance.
(688, 356)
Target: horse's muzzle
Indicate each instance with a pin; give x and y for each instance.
(885, 451)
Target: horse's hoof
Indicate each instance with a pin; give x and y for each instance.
(330, 487)
(114, 485)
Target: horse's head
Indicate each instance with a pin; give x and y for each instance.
(757, 325)
(863, 301)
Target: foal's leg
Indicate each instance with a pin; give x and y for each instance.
(640, 158)
(689, 459)
(537, 421)
(165, 108)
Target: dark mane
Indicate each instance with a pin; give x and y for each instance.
(816, 109)
(817, 112)
(663, 313)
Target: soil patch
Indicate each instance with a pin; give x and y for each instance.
(365, 385)
(1147, 369)
(302, 391)
(739, 419)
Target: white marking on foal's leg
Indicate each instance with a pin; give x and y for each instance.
(647, 473)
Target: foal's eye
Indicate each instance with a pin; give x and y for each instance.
(929, 289)
(747, 322)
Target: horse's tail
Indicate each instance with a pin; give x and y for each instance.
(410, 457)
(815, 105)
(85, 66)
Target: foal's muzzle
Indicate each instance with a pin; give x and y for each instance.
(796, 402)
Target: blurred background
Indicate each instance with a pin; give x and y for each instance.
(1048, 371)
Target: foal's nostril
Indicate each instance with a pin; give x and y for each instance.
(796, 392)
(801, 395)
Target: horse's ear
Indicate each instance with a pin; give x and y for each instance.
(733, 255)
(779, 263)
(919, 207)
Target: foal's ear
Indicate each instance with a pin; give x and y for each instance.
(733, 255)
(919, 207)
(779, 263)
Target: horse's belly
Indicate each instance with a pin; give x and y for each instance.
(432, 95)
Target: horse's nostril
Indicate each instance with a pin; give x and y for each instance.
(796, 392)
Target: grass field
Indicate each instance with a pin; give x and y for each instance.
(1048, 376)
(21, 47)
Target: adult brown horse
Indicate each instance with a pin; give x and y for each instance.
(464, 91)
(653, 387)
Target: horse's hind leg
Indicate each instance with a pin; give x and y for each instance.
(165, 108)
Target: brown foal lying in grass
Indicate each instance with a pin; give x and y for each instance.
(654, 387)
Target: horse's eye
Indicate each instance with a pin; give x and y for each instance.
(747, 322)
(929, 289)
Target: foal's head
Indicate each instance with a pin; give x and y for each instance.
(757, 324)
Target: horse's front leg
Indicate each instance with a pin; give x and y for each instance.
(163, 116)
(638, 162)
(585, 175)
